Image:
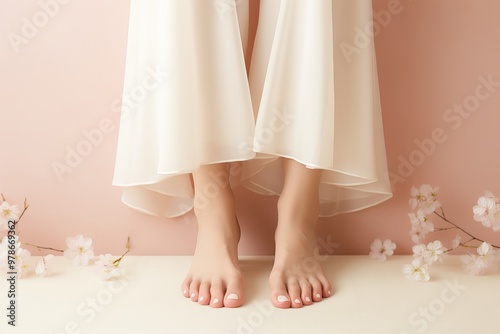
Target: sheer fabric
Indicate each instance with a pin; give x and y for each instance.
(190, 100)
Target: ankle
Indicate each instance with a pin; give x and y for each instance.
(299, 213)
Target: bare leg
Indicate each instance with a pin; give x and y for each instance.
(215, 278)
(297, 277)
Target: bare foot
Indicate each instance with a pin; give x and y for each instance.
(215, 278)
(297, 278)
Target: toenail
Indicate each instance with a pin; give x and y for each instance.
(297, 301)
(193, 294)
(308, 299)
(282, 299)
(184, 292)
(233, 296)
(329, 293)
(318, 295)
(215, 301)
(201, 299)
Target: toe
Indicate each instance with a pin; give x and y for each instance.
(306, 292)
(234, 292)
(204, 293)
(217, 295)
(327, 287)
(194, 289)
(293, 288)
(280, 298)
(317, 290)
(279, 294)
(185, 288)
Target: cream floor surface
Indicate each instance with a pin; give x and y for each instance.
(369, 297)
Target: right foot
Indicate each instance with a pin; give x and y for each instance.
(215, 277)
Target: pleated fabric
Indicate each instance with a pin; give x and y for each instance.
(188, 100)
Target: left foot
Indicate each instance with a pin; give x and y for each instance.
(297, 278)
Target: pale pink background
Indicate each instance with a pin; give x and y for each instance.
(69, 74)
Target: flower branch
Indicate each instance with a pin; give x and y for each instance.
(455, 226)
(79, 249)
(424, 200)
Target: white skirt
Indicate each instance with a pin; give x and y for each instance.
(311, 94)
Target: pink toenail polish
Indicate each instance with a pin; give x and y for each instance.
(318, 295)
(215, 301)
(308, 299)
(297, 301)
(201, 299)
(233, 296)
(282, 299)
(193, 294)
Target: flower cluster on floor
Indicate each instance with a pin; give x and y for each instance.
(79, 250)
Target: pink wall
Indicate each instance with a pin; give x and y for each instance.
(67, 76)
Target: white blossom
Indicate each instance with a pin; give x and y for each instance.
(420, 226)
(417, 271)
(381, 250)
(430, 253)
(425, 197)
(7, 213)
(479, 264)
(107, 267)
(487, 211)
(79, 250)
(42, 267)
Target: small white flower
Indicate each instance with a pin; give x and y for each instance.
(484, 249)
(7, 213)
(417, 236)
(456, 242)
(419, 251)
(417, 271)
(22, 262)
(430, 253)
(381, 250)
(487, 211)
(425, 197)
(420, 226)
(434, 251)
(107, 267)
(474, 264)
(79, 250)
(42, 268)
(479, 264)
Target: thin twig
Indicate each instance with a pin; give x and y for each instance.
(443, 217)
(127, 246)
(26, 206)
(41, 247)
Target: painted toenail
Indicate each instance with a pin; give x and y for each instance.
(184, 292)
(308, 299)
(282, 299)
(201, 298)
(297, 301)
(215, 301)
(233, 296)
(193, 294)
(318, 295)
(329, 293)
